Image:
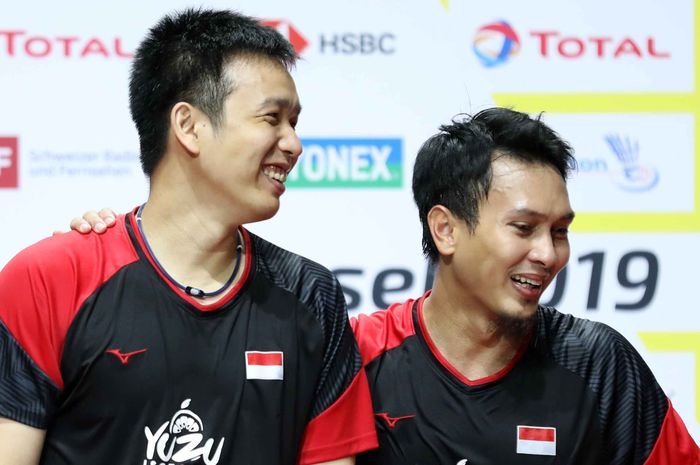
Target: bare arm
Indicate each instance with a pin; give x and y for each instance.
(20, 444)
(344, 461)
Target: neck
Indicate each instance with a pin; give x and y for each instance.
(477, 342)
(194, 248)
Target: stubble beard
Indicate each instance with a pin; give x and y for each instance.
(514, 326)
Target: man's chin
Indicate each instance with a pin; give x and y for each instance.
(517, 322)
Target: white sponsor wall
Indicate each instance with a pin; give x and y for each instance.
(617, 79)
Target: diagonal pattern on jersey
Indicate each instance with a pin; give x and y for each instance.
(31, 388)
(583, 356)
(314, 284)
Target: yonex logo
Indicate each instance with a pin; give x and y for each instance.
(340, 163)
(8, 162)
(496, 43)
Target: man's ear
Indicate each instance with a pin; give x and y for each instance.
(187, 123)
(443, 227)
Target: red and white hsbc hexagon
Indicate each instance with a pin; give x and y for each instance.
(288, 30)
(9, 162)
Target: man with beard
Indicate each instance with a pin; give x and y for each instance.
(476, 371)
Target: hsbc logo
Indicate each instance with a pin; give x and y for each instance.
(8, 162)
(345, 43)
(496, 43)
(291, 33)
(19, 43)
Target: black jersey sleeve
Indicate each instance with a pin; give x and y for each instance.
(342, 421)
(632, 407)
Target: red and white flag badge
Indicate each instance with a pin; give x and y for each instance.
(537, 440)
(264, 365)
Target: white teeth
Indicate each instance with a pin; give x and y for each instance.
(275, 173)
(529, 282)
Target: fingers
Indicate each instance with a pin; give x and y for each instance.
(108, 216)
(94, 221)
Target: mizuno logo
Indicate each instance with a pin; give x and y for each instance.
(124, 358)
(391, 421)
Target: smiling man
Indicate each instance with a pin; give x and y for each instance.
(178, 336)
(475, 371)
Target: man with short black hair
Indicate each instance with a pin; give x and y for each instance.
(476, 371)
(179, 336)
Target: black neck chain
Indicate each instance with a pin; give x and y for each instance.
(193, 291)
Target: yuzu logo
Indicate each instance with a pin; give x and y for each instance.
(496, 43)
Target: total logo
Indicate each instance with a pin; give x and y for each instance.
(20, 43)
(342, 163)
(9, 162)
(344, 43)
(497, 43)
(179, 440)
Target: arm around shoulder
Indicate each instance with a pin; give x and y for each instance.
(345, 461)
(20, 444)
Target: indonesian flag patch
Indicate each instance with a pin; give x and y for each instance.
(264, 365)
(537, 440)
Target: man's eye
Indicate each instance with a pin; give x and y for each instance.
(272, 118)
(561, 233)
(523, 227)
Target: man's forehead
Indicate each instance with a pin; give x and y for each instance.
(266, 81)
(284, 102)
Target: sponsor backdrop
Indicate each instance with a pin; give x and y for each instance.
(617, 79)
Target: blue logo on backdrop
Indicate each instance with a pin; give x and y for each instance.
(349, 162)
(633, 176)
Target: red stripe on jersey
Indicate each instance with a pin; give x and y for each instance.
(674, 446)
(383, 330)
(191, 300)
(344, 429)
(535, 434)
(43, 287)
(264, 358)
(454, 371)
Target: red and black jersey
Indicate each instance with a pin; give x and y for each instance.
(576, 393)
(121, 367)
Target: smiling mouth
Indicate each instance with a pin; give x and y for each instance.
(527, 283)
(276, 173)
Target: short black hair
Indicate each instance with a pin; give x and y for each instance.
(453, 167)
(182, 59)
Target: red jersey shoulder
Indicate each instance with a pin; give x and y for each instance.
(43, 286)
(70, 256)
(383, 330)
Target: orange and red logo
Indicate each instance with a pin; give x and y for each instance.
(290, 32)
(9, 162)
